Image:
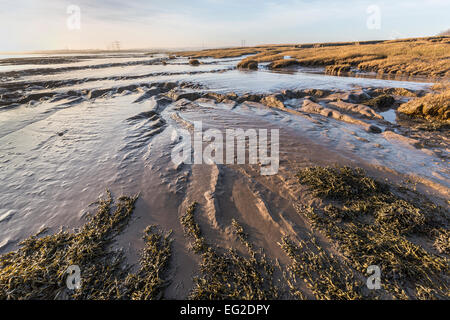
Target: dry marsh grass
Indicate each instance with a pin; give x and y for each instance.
(412, 57)
(248, 64)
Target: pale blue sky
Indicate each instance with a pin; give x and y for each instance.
(41, 24)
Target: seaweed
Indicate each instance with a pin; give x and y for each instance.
(372, 225)
(150, 281)
(225, 274)
(37, 270)
(326, 277)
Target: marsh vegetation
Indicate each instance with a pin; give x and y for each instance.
(410, 57)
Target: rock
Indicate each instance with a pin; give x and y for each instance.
(166, 86)
(395, 91)
(182, 104)
(130, 87)
(353, 97)
(373, 129)
(215, 96)
(97, 93)
(391, 135)
(317, 93)
(357, 109)
(249, 97)
(431, 106)
(382, 102)
(313, 107)
(148, 94)
(178, 95)
(232, 96)
(289, 94)
(275, 100)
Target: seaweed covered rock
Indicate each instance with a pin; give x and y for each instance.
(249, 97)
(382, 102)
(248, 64)
(432, 106)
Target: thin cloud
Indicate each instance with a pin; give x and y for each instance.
(33, 25)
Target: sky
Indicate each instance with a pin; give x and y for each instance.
(27, 25)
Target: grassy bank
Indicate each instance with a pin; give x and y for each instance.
(412, 57)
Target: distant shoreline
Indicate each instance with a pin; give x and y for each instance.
(200, 48)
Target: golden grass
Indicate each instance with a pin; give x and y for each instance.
(413, 57)
(248, 64)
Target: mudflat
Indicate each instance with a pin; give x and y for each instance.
(361, 179)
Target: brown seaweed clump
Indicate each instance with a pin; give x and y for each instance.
(374, 224)
(150, 281)
(325, 276)
(442, 241)
(194, 62)
(37, 270)
(225, 274)
(382, 102)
